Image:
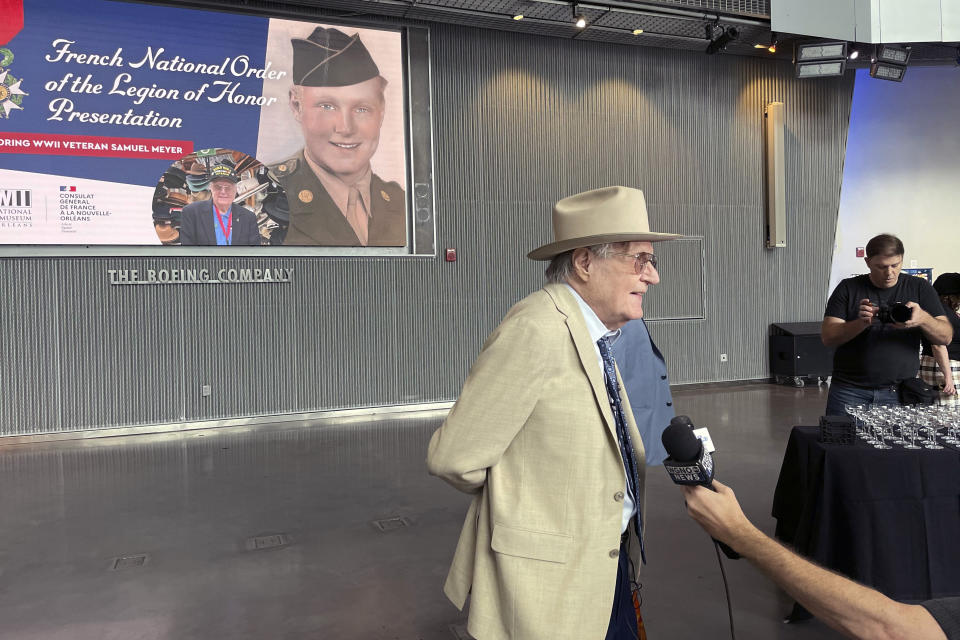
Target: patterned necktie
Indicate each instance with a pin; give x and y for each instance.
(623, 436)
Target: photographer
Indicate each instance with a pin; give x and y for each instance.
(875, 321)
(853, 609)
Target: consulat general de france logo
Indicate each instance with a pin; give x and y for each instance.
(11, 95)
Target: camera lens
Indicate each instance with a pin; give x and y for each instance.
(900, 312)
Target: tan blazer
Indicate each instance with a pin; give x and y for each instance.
(533, 437)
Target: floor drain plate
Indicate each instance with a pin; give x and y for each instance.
(270, 541)
(128, 562)
(387, 525)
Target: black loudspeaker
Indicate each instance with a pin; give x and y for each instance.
(796, 352)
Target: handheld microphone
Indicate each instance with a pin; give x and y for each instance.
(689, 462)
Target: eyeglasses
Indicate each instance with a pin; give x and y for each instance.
(640, 260)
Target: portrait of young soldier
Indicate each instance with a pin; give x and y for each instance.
(338, 100)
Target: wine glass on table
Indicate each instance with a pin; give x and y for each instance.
(909, 426)
(929, 426)
(874, 420)
(951, 418)
(857, 411)
(891, 423)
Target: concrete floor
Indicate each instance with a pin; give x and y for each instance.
(191, 501)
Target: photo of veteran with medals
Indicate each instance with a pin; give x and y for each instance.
(338, 100)
(219, 221)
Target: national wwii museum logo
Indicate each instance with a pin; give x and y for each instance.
(16, 209)
(11, 95)
(16, 198)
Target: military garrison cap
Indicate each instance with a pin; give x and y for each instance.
(331, 58)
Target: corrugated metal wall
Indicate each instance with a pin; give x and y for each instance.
(519, 122)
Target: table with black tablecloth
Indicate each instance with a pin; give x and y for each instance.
(889, 518)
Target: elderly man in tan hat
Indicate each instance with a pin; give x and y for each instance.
(544, 439)
(335, 198)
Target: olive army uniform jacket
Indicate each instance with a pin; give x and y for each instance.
(315, 220)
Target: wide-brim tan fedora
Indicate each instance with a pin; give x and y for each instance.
(610, 214)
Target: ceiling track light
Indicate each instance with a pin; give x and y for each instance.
(713, 30)
(521, 9)
(579, 19)
(720, 37)
(774, 41)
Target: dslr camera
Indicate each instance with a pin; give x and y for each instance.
(897, 312)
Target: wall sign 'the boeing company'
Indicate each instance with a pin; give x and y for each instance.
(224, 275)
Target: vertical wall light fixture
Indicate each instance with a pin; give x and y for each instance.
(773, 120)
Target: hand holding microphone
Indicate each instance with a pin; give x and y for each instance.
(689, 462)
(719, 513)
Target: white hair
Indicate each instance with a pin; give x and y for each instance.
(560, 268)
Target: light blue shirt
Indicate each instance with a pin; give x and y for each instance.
(221, 224)
(597, 330)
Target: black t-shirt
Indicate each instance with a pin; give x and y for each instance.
(882, 354)
(946, 611)
(953, 349)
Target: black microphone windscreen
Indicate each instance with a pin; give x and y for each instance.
(680, 443)
(684, 420)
